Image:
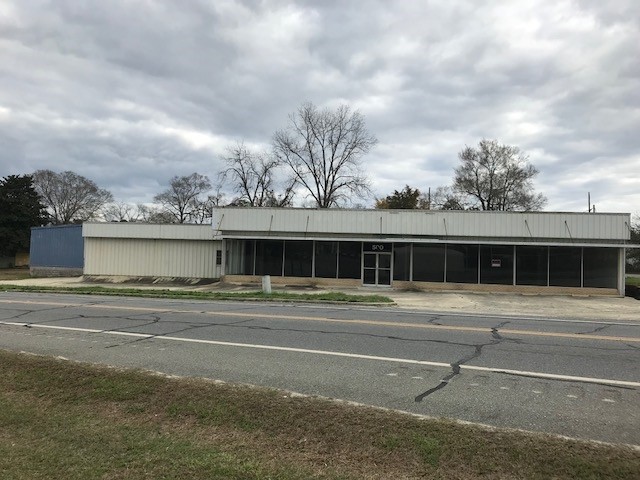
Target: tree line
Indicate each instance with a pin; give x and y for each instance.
(318, 156)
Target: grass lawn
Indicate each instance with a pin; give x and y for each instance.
(60, 419)
(202, 295)
(199, 295)
(633, 281)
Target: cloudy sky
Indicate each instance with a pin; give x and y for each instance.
(130, 93)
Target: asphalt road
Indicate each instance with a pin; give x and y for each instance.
(569, 377)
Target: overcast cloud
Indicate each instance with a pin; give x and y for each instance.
(130, 93)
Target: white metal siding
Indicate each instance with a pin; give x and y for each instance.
(540, 225)
(151, 257)
(144, 230)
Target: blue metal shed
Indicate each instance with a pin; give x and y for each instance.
(57, 250)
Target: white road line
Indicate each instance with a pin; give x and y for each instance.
(550, 376)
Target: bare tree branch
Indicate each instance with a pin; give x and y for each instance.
(69, 197)
(254, 178)
(183, 199)
(497, 177)
(323, 149)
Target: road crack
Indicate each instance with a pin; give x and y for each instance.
(455, 367)
(595, 330)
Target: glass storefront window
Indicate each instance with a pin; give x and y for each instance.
(349, 261)
(401, 261)
(298, 258)
(531, 265)
(428, 263)
(565, 266)
(462, 263)
(496, 264)
(240, 256)
(326, 259)
(269, 257)
(600, 267)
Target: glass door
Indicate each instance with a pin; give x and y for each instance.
(377, 269)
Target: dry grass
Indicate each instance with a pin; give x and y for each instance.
(66, 420)
(14, 273)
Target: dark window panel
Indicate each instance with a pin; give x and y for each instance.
(298, 258)
(369, 276)
(462, 263)
(564, 266)
(601, 267)
(269, 257)
(531, 265)
(326, 259)
(384, 277)
(496, 264)
(401, 261)
(369, 260)
(249, 256)
(350, 263)
(428, 263)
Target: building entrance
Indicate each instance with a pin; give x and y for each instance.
(377, 269)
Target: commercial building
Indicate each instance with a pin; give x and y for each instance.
(535, 252)
(141, 250)
(56, 250)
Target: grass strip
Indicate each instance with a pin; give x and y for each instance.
(60, 419)
(337, 297)
(635, 281)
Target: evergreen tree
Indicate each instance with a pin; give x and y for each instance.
(20, 209)
(407, 199)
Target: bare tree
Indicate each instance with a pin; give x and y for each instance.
(497, 177)
(253, 177)
(123, 212)
(444, 198)
(183, 198)
(155, 214)
(324, 148)
(69, 197)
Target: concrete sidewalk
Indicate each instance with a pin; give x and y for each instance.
(549, 306)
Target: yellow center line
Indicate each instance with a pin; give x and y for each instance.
(380, 323)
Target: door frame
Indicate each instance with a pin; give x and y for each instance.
(377, 269)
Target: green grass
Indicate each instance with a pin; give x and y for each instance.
(200, 295)
(633, 281)
(60, 419)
